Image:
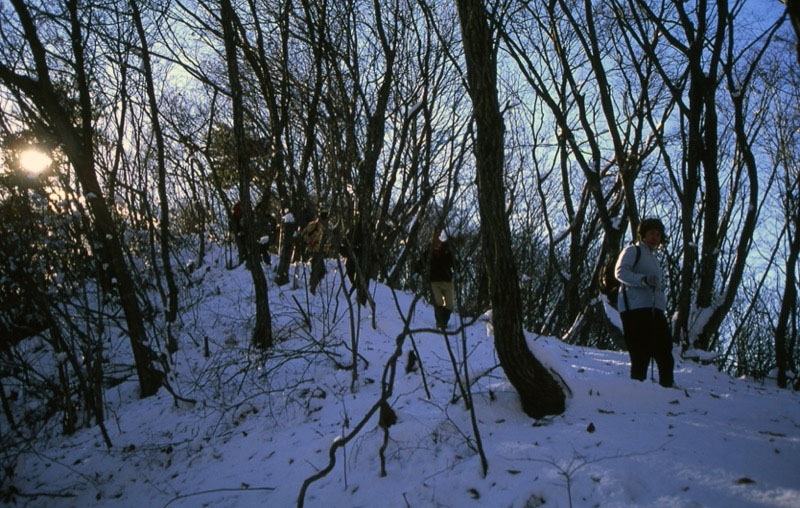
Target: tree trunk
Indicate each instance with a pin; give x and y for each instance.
(783, 355)
(366, 222)
(788, 302)
(172, 288)
(540, 393)
(285, 249)
(262, 333)
(793, 8)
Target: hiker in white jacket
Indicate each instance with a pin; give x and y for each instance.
(642, 303)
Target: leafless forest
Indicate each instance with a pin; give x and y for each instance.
(538, 133)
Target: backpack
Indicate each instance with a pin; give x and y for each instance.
(609, 284)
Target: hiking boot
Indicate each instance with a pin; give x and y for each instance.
(438, 312)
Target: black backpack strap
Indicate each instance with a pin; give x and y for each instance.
(624, 287)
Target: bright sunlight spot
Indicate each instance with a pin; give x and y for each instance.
(33, 161)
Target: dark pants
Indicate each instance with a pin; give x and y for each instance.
(647, 337)
(442, 315)
(317, 271)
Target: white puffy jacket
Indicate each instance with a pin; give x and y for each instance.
(639, 295)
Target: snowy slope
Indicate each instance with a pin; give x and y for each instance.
(262, 424)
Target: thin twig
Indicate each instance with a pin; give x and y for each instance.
(213, 491)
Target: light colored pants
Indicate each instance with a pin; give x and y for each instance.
(442, 294)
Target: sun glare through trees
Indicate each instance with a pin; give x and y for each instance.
(33, 161)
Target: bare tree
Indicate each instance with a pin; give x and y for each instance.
(37, 88)
(784, 126)
(539, 392)
(705, 38)
(594, 103)
(262, 332)
(786, 328)
(147, 67)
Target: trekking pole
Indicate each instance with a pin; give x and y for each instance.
(653, 315)
(658, 346)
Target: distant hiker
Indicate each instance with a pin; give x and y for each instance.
(286, 241)
(266, 228)
(313, 237)
(237, 230)
(360, 260)
(441, 277)
(641, 303)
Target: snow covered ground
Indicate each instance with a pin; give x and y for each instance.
(262, 424)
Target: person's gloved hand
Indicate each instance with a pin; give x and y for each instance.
(651, 280)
